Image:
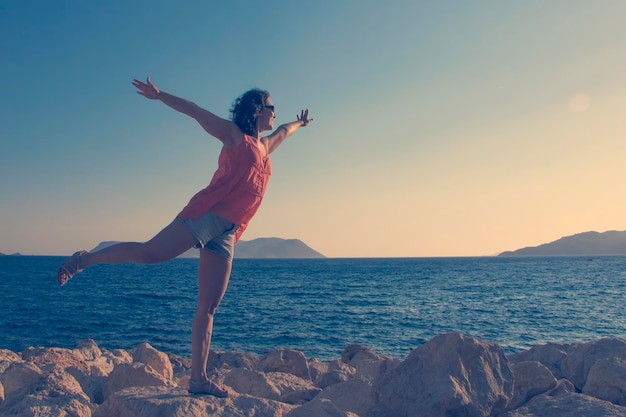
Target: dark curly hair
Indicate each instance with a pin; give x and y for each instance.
(247, 108)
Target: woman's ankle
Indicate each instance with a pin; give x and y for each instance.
(198, 378)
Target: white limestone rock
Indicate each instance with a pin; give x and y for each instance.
(351, 397)
(132, 375)
(159, 361)
(50, 359)
(336, 372)
(278, 386)
(316, 368)
(567, 403)
(232, 360)
(89, 349)
(551, 355)
(53, 394)
(582, 357)
(285, 360)
(252, 383)
(452, 374)
(323, 408)
(607, 380)
(176, 402)
(531, 378)
(8, 357)
(20, 376)
(368, 364)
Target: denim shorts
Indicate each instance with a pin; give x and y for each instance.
(213, 233)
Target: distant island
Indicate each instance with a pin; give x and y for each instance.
(581, 244)
(273, 247)
(261, 248)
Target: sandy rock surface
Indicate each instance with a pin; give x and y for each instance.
(452, 374)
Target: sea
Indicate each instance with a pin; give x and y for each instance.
(318, 306)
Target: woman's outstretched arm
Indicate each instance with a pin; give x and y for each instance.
(222, 129)
(276, 138)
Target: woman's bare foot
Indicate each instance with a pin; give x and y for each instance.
(207, 387)
(70, 268)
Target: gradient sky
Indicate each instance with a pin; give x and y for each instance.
(442, 128)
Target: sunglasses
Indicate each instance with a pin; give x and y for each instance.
(270, 107)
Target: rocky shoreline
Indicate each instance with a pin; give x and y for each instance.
(450, 375)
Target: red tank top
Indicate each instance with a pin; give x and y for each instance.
(237, 188)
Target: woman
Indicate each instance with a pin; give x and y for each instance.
(215, 217)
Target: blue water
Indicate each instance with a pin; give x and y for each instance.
(318, 306)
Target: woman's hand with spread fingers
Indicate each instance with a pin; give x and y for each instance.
(304, 117)
(147, 89)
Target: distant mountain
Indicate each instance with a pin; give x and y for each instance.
(12, 254)
(581, 244)
(273, 247)
(191, 253)
(267, 247)
(103, 245)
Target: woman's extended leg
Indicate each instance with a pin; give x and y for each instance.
(170, 242)
(213, 276)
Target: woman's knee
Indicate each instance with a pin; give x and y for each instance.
(146, 254)
(208, 309)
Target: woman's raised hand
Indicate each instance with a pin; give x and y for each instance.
(304, 117)
(146, 89)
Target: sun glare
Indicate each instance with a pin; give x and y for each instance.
(579, 103)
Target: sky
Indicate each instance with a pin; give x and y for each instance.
(448, 128)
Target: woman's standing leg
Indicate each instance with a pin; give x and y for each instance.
(213, 275)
